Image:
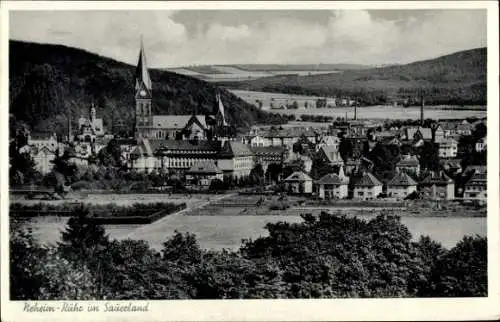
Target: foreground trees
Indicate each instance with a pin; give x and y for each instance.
(328, 256)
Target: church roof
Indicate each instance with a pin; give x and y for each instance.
(141, 72)
(402, 179)
(176, 122)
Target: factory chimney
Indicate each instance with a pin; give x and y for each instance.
(422, 109)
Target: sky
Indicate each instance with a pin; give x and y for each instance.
(202, 37)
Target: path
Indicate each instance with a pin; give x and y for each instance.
(145, 229)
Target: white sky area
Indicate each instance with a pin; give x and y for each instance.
(190, 37)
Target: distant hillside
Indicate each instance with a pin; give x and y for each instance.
(459, 78)
(300, 67)
(50, 82)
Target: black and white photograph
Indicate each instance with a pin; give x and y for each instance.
(246, 154)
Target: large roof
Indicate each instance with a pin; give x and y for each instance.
(332, 153)
(206, 167)
(367, 180)
(332, 178)
(437, 178)
(235, 149)
(478, 179)
(402, 179)
(176, 122)
(298, 176)
(260, 150)
(409, 161)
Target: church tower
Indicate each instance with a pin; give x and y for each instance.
(143, 96)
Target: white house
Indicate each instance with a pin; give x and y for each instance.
(298, 183)
(447, 147)
(235, 159)
(367, 187)
(476, 188)
(481, 144)
(333, 186)
(401, 185)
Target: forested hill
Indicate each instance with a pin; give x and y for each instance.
(458, 78)
(48, 82)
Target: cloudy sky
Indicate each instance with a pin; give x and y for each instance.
(189, 37)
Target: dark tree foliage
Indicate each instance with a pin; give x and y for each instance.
(49, 83)
(429, 156)
(330, 256)
(462, 272)
(385, 158)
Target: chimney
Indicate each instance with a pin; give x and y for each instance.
(355, 112)
(422, 110)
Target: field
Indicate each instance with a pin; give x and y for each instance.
(369, 112)
(220, 73)
(224, 223)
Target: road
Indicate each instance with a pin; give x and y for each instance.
(143, 231)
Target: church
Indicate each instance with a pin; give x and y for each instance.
(170, 127)
(176, 143)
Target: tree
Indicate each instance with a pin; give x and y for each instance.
(85, 242)
(462, 272)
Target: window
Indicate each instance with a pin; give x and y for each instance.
(360, 193)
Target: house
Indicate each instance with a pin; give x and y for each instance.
(417, 133)
(143, 156)
(475, 169)
(330, 155)
(298, 183)
(409, 163)
(437, 186)
(269, 155)
(464, 128)
(333, 186)
(40, 140)
(481, 144)
(328, 140)
(437, 132)
(43, 157)
(235, 159)
(447, 147)
(89, 128)
(476, 188)
(401, 185)
(367, 187)
(259, 141)
(451, 165)
(201, 174)
(296, 159)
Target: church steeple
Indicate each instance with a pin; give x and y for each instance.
(143, 95)
(142, 79)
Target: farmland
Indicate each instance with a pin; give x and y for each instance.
(369, 112)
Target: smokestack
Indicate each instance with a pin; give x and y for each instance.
(69, 129)
(355, 111)
(422, 110)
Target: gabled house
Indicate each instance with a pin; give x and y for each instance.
(409, 163)
(438, 186)
(447, 148)
(366, 187)
(202, 174)
(417, 134)
(401, 185)
(476, 188)
(333, 186)
(236, 159)
(481, 144)
(298, 183)
(328, 140)
(330, 155)
(143, 157)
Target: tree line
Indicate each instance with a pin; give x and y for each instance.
(329, 256)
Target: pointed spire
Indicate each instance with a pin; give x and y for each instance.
(221, 110)
(142, 73)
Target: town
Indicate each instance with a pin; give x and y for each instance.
(350, 158)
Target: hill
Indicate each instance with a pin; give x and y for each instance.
(48, 83)
(458, 78)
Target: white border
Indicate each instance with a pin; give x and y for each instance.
(279, 310)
